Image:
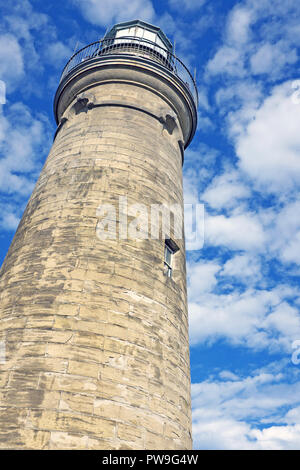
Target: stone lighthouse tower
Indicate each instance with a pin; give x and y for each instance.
(93, 319)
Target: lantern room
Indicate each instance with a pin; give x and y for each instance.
(138, 33)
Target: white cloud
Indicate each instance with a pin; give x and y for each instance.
(272, 58)
(8, 220)
(23, 19)
(284, 320)
(190, 5)
(251, 316)
(24, 140)
(224, 406)
(269, 147)
(106, 13)
(243, 93)
(21, 24)
(293, 416)
(237, 232)
(203, 99)
(284, 232)
(230, 57)
(202, 277)
(225, 191)
(11, 61)
(22, 53)
(227, 60)
(265, 133)
(278, 437)
(291, 252)
(57, 53)
(228, 375)
(244, 267)
(198, 168)
(235, 317)
(238, 25)
(244, 57)
(213, 431)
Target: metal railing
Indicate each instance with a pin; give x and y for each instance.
(133, 45)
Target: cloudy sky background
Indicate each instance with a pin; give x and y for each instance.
(243, 165)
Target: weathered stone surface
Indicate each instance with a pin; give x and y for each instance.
(96, 335)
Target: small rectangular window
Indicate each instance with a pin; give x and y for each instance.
(170, 250)
(168, 261)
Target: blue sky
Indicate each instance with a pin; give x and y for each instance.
(243, 165)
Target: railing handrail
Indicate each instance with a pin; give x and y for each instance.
(75, 54)
(111, 45)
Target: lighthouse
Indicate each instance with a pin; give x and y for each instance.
(93, 305)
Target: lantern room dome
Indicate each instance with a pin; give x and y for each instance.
(140, 29)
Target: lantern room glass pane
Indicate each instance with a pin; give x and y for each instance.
(149, 35)
(124, 32)
(139, 32)
(142, 35)
(161, 44)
